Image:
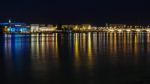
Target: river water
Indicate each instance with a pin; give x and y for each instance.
(75, 58)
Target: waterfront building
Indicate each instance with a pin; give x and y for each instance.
(47, 28)
(34, 28)
(77, 27)
(69, 27)
(86, 27)
(52, 27)
(14, 27)
(116, 26)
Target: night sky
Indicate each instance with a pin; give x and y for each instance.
(76, 11)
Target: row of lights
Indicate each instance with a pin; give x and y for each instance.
(128, 30)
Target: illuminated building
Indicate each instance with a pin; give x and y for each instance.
(67, 27)
(52, 27)
(17, 27)
(116, 25)
(34, 28)
(77, 27)
(47, 28)
(86, 27)
(14, 27)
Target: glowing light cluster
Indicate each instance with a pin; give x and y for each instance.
(13, 29)
(138, 30)
(47, 29)
(128, 30)
(148, 30)
(111, 30)
(119, 30)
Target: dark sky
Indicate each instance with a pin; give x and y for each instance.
(76, 11)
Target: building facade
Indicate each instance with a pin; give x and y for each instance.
(15, 27)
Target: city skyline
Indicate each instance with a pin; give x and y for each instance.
(75, 41)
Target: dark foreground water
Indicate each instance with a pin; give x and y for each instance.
(75, 58)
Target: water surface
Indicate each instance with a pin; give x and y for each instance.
(75, 58)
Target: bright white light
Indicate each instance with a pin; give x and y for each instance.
(119, 30)
(148, 30)
(128, 30)
(137, 30)
(111, 30)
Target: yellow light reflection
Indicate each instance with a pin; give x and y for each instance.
(84, 42)
(129, 42)
(51, 43)
(56, 45)
(148, 41)
(136, 47)
(148, 38)
(32, 45)
(43, 52)
(115, 43)
(113, 47)
(37, 47)
(89, 49)
(111, 43)
(76, 51)
(125, 43)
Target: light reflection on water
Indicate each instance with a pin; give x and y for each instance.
(95, 57)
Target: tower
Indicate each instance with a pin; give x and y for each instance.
(9, 21)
